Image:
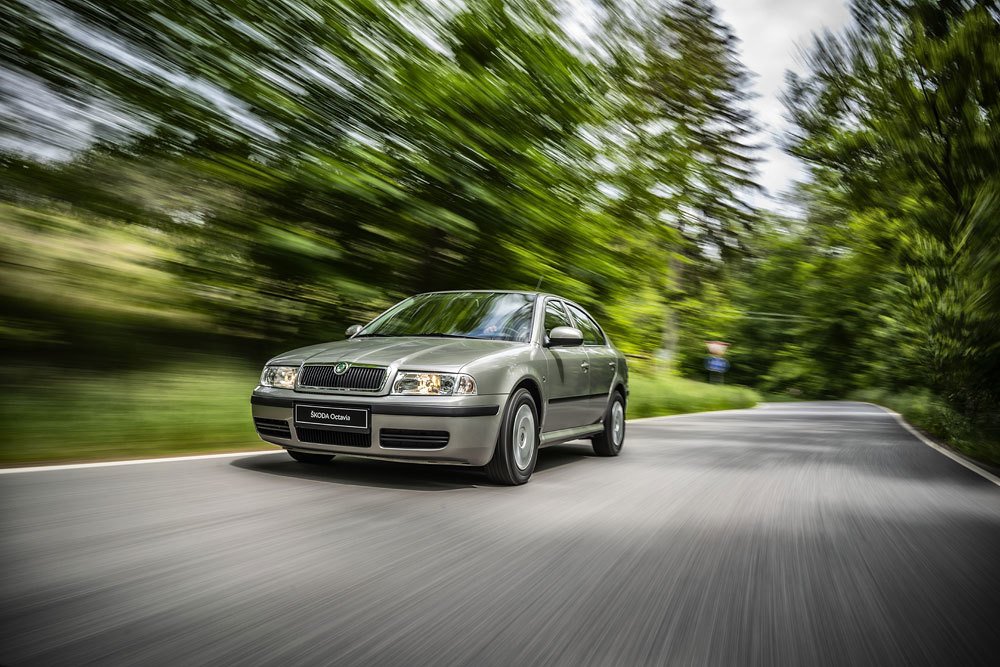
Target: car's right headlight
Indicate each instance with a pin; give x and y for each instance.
(281, 377)
(433, 384)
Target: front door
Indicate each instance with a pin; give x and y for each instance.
(568, 377)
(603, 362)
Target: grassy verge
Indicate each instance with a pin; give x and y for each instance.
(186, 408)
(927, 412)
(653, 395)
(58, 415)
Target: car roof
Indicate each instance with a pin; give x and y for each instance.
(525, 292)
(501, 291)
(487, 291)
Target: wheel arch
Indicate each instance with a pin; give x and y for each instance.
(531, 385)
(620, 388)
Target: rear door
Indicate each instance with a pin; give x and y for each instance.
(603, 362)
(568, 378)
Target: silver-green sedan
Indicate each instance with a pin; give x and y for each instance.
(475, 378)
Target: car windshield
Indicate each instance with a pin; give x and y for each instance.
(484, 315)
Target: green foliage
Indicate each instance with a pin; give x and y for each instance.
(898, 120)
(800, 309)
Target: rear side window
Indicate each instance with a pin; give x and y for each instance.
(591, 332)
(555, 316)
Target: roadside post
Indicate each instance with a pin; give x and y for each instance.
(715, 363)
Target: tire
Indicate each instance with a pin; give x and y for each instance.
(305, 457)
(517, 445)
(609, 442)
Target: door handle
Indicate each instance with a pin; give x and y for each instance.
(612, 364)
(584, 365)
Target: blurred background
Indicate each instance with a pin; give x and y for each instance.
(188, 188)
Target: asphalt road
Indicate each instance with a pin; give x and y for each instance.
(793, 534)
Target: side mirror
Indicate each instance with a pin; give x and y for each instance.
(565, 337)
(353, 329)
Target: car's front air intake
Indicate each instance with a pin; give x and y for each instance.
(404, 438)
(276, 428)
(356, 378)
(321, 436)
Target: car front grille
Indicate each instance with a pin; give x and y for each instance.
(276, 428)
(321, 436)
(401, 438)
(358, 378)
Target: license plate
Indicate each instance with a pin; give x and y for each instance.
(325, 415)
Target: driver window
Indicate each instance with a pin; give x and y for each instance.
(555, 316)
(591, 332)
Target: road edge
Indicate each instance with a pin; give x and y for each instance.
(954, 456)
(133, 462)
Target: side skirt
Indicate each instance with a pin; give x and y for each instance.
(566, 434)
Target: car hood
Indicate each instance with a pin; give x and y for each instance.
(408, 353)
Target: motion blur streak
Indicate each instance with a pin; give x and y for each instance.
(741, 537)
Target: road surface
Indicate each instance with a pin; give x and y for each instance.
(793, 534)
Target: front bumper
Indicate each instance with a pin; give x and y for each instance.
(471, 423)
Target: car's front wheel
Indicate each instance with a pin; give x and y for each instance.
(609, 441)
(517, 445)
(305, 457)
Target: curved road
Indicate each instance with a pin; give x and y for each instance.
(793, 534)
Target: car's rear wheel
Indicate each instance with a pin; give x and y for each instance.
(305, 457)
(609, 441)
(517, 445)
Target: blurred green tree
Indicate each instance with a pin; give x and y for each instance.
(898, 120)
(308, 163)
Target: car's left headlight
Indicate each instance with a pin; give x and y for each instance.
(433, 384)
(281, 377)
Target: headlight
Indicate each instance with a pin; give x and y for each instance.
(282, 377)
(433, 384)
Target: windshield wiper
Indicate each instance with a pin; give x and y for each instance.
(373, 335)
